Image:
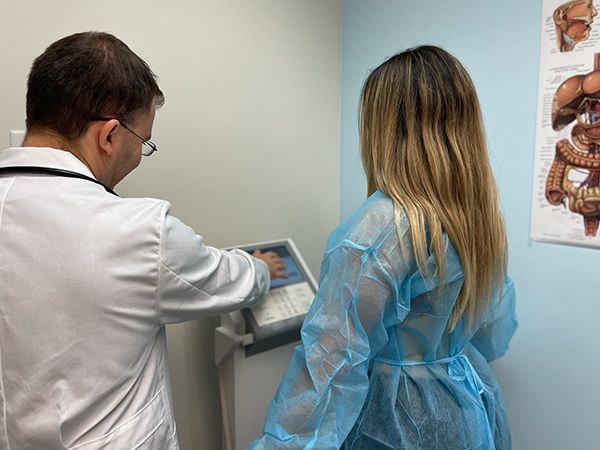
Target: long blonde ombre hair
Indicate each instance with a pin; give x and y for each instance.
(423, 145)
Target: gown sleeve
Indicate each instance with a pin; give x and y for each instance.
(326, 383)
(494, 335)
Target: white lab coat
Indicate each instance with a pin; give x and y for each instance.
(87, 282)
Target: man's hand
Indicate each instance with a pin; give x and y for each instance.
(272, 259)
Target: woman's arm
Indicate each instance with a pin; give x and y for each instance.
(493, 337)
(326, 383)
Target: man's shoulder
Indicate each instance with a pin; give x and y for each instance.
(140, 209)
(144, 202)
(138, 202)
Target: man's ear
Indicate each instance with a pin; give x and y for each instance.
(106, 136)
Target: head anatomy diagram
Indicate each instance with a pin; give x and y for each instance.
(573, 22)
(423, 144)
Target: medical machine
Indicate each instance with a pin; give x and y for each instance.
(253, 346)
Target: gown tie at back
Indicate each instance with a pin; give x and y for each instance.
(459, 368)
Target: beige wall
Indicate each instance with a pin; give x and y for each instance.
(248, 138)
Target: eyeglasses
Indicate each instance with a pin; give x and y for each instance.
(149, 146)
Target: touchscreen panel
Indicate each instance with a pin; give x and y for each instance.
(293, 271)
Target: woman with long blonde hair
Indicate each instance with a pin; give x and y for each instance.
(413, 297)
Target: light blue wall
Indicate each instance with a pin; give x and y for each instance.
(551, 376)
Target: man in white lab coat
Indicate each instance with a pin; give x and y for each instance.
(88, 280)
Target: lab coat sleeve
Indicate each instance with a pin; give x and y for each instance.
(326, 383)
(195, 280)
(493, 337)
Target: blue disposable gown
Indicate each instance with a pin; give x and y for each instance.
(377, 367)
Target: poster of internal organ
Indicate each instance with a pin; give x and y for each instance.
(573, 22)
(565, 195)
(574, 176)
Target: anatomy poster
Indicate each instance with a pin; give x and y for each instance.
(566, 183)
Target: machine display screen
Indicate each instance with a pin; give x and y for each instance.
(293, 271)
(277, 319)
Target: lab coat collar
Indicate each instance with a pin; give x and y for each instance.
(43, 157)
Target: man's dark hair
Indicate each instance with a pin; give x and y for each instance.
(87, 75)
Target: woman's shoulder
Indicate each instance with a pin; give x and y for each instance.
(371, 222)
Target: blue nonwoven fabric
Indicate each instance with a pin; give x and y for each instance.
(377, 367)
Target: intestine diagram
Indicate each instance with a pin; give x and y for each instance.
(574, 176)
(573, 22)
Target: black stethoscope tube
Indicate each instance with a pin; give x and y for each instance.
(51, 171)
